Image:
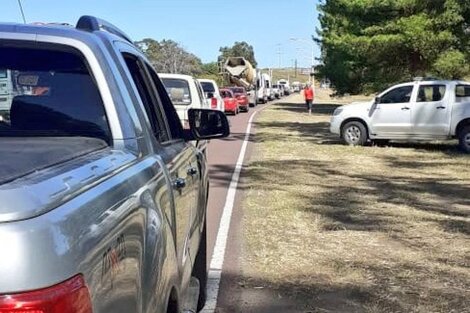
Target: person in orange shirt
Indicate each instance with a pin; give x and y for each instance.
(309, 96)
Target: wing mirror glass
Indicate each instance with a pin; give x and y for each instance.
(377, 100)
(207, 124)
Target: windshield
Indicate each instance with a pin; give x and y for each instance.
(48, 92)
(178, 90)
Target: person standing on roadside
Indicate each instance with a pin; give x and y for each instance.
(309, 95)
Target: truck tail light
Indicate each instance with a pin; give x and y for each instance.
(214, 103)
(71, 296)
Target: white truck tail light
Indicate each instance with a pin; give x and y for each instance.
(71, 296)
(214, 103)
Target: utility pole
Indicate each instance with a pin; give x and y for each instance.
(295, 72)
(279, 54)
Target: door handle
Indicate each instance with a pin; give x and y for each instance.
(405, 108)
(179, 183)
(440, 107)
(192, 171)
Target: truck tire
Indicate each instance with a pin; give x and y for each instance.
(464, 139)
(354, 133)
(200, 270)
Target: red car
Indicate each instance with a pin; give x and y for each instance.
(231, 103)
(242, 97)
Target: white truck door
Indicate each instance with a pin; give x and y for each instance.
(391, 117)
(430, 114)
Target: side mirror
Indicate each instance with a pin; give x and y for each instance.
(207, 124)
(210, 95)
(377, 100)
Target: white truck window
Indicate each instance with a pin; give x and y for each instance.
(431, 93)
(397, 95)
(462, 91)
(178, 90)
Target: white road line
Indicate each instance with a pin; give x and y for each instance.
(217, 261)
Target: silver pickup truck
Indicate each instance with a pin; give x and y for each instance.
(102, 195)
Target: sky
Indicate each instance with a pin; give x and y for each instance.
(280, 31)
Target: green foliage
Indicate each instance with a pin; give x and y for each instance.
(452, 65)
(239, 49)
(370, 44)
(168, 56)
(211, 71)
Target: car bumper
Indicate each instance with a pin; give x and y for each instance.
(335, 125)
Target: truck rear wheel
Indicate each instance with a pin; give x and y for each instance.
(464, 139)
(354, 134)
(200, 270)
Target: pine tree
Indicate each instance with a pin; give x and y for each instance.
(369, 44)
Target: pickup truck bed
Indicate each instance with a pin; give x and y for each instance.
(22, 156)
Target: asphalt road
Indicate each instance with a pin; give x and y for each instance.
(222, 157)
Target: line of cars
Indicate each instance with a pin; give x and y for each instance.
(187, 92)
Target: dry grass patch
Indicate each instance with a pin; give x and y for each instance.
(352, 229)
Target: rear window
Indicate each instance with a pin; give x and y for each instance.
(225, 94)
(47, 91)
(178, 90)
(238, 90)
(462, 91)
(431, 93)
(208, 87)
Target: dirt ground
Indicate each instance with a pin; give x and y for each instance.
(332, 228)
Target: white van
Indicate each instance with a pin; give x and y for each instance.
(212, 93)
(185, 92)
(268, 86)
(262, 96)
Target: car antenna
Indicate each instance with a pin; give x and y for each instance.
(22, 12)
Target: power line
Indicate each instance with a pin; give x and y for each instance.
(22, 12)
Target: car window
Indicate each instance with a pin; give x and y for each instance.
(172, 118)
(199, 91)
(226, 94)
(238, 90)
(178, 90)
(430, 93)
(208, 87)
(462, 91)
(397, 95)
(48, 91)
(147, 96)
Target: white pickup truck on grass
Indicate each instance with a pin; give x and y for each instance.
(419, 110)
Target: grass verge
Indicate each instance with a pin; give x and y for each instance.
(355, 229)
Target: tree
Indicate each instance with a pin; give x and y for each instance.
(239, 49)
(211, 71)
(168, 56)
(369, 44)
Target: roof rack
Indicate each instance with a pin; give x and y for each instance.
(419, 79)
(91, 24)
